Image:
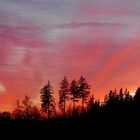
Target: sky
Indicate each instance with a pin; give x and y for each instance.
(43, 40)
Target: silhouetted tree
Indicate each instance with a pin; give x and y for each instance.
(127, 97)
(96, 104)
(112, 95)
(36, 114)
(91, 101)
(137, 96)
(18, 111)
(74, 91)
(121, 96)
(47, 99)
(105, 99)
(112, 99)
(27, 107)
(84, 90)
(63, 94)
(5, 116)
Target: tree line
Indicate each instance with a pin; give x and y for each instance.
(75, 91)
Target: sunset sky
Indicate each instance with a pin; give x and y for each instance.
(44, 40)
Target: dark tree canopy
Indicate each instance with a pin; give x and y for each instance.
(137, 95)
(137, 99)
(63, 94)
(18, 111)
(27, 107)
(74, 92)
(84, 90)
(47, 99)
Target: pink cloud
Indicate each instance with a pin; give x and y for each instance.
(21, 47)
(94, 10)
(86, 24)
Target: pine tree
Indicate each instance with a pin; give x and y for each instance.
(91, 101)
(121, 96)
(137, 96)
(47, 99)
(63, 94)
(84, 90)
(127, 96)
(74, 91)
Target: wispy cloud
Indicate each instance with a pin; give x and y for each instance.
(87, 24)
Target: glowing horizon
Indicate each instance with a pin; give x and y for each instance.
(44, 40)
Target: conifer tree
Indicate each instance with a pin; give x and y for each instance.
(63, 94)
(47, 99)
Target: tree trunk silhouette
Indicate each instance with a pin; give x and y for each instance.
(73, 105)
(82, 105)
(48, 113)
(64, 108)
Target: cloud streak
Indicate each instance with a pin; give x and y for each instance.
(86, 24)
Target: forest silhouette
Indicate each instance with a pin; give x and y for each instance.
(119, 109)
